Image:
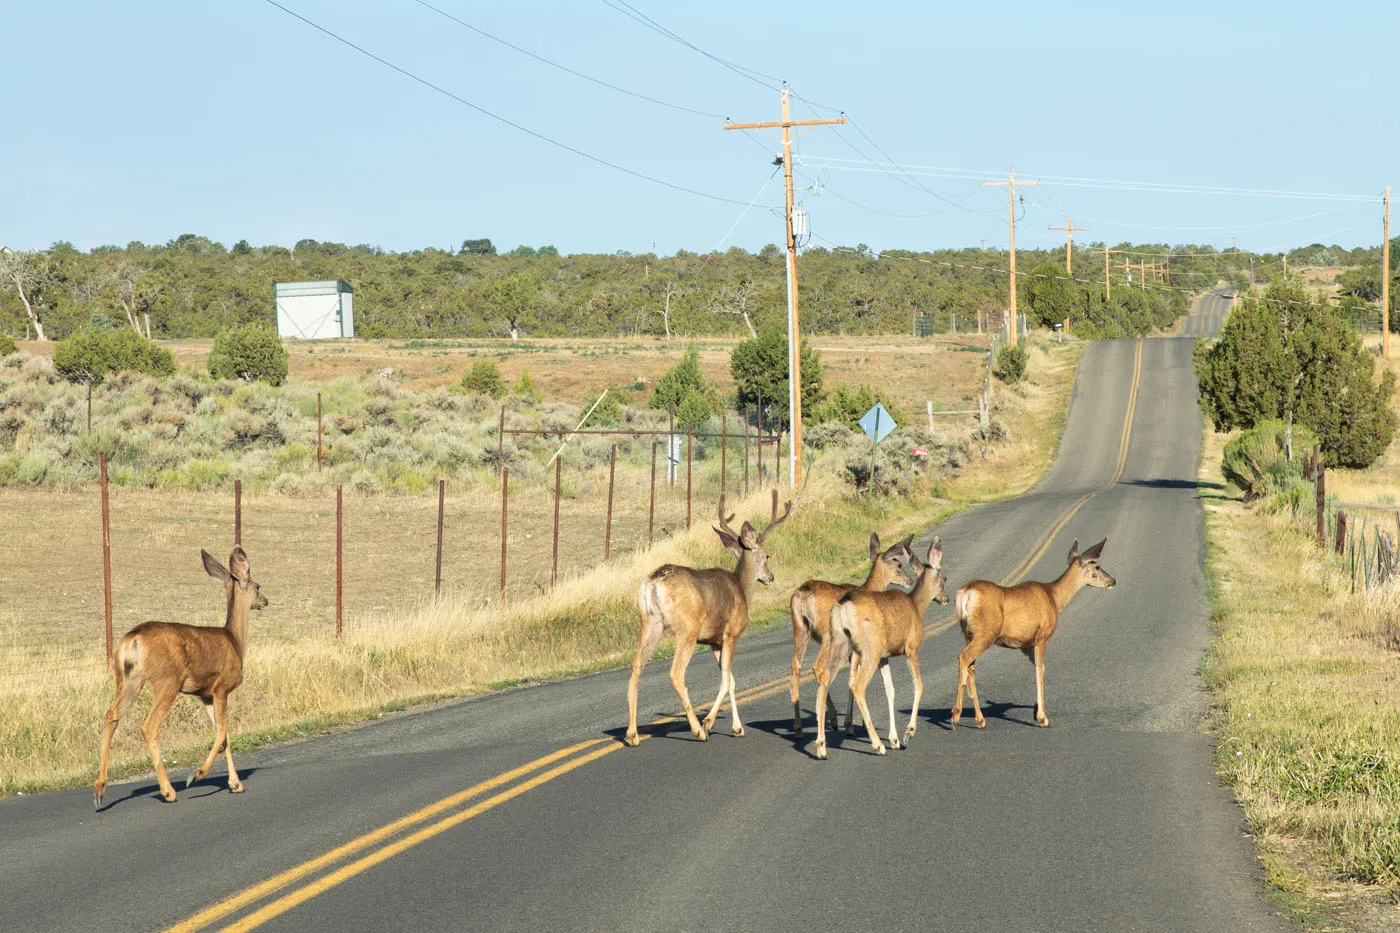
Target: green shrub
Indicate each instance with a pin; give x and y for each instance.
(1011, 362)
(1257, 461)
(251, 352)
(525, 388)
(609, 410)
(484, 378)
(89, 356)
(848, 404)
(7, 345)
(685, 390)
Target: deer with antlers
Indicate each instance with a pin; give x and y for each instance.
(201, 660)
(1022, 616)
(880, 626)
(811, 606)
(708, 607)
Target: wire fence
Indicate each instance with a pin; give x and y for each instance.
(338, 560)
(1362, 535)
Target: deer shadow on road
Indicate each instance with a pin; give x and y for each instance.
(212, 783)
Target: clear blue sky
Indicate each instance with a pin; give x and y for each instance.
(234, 120)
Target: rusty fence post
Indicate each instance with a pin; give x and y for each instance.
(689, 461)
(1321, 505)
(607, 533)
(554, 566)
(651, 509)
(505, 512)
(501, 445)
(339, 563)
(724, 452)
(106, 556)
(437, 578)
(318, 432)
(238, 512)
(1340, 547)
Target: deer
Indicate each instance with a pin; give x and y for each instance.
(1022, 616)
(201, 660)
(708, 607)
(880, 626)
(811, 606)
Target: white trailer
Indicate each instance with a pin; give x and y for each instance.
(314, 310)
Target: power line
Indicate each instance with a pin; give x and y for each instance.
(633, 13)
(565, 68)
(500, 119)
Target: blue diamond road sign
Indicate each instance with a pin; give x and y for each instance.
(877, 423)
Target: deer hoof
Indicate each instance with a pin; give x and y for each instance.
(797, 728)
(738, 731)
(97, 796)
(1042, 721)
(879, 749)
(981, 723)
(168, 795)
(194, 776)
(632, 740)
(235, 787)
(702, 735)
(895, 744)
(821, 751)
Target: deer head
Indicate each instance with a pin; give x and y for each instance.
(1088, 565)
(746, 543)
(237, 576)
(931, 579)
(891, 562)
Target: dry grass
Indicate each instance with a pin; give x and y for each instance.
(944, 369)
(1307, 685)
(398, 647)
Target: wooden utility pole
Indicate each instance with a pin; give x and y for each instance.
(1070, 229)
(1010, 184)
(1385, 280)
(794, 328)
(1107, 286)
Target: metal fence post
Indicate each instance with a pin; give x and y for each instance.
(505, 511)
(106, 557)
(554, 567)
(651, 509)
(437, 579)
(607, 533)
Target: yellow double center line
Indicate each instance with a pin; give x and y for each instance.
(381, 844)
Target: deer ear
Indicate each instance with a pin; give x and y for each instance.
(730, 542)
(238, 564)
(935, 554)
(874, 545)
(213, 567)
(748, 537)
(1094, 552)
(1073, 552)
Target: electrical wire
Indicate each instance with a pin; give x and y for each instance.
(565, 68)
(500, 119)
(631, 12)
(745, 211)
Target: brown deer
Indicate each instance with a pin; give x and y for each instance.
(1023, 616)
(173, 658)
(881, 626)
(811, 619)
(708, 607)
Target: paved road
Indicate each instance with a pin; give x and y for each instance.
(1110, 819)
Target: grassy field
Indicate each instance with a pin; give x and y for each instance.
(399, 646)
(1306, 677)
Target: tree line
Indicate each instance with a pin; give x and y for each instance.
(195, 287)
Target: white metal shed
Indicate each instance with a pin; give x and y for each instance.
(314, 310)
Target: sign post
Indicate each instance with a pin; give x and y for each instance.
(876, 423)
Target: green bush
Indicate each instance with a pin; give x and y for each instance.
(685, 390)
(251, 352)
(89, 356)
(609, 410)
(7, 345)
(1011, 362)
(525, 388)
(484, 378)
(1257, 461)
(848, 404)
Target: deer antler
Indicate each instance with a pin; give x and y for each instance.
(724, 522)
(777, 519)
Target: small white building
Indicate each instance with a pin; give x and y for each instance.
(314, 310)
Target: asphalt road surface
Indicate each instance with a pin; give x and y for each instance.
(522, 810)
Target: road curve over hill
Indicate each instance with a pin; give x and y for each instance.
(522, 811)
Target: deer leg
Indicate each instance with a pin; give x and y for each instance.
(859, 681)
(150, 729)
(647, 640)
(800, 636)
(889, 700)
(728, 671)
(202, 770)
(126, 695)
(913, 658)
(723, 688)
(822, 670)
(967, 677)
(684, 649)
(977, 718)
(1039, 659)
(221, 716)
